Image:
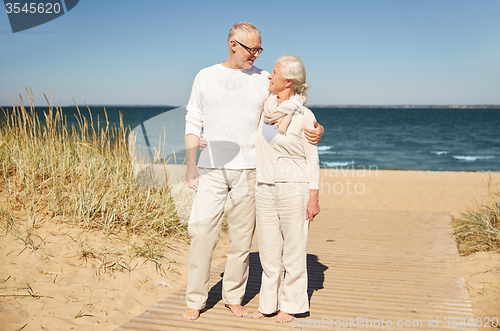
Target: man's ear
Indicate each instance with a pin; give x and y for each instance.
(233, 45)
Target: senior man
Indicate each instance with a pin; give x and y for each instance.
(226, 100)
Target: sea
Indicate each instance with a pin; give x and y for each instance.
(435, 139)
(410, 138)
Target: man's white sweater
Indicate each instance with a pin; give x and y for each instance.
(227, 104)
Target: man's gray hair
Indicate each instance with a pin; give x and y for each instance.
(240, 31)
(293, 68)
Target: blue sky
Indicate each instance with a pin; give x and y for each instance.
(123, 52)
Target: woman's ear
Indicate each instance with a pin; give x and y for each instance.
(288, 83)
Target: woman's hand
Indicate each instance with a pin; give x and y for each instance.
(313, 205)
(314, 135)
(203, 142)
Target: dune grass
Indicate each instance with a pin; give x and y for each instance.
(479, 229)
(81, 175)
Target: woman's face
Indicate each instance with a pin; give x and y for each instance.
(277, 83)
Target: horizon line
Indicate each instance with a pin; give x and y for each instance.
(311, 106)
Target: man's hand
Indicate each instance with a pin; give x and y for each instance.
(304, 99)
(313, 136)
(192, 177)
(192, 141)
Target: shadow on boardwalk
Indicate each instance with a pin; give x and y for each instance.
(315, 274)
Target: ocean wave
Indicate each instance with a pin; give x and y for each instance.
(469, 158)
(439, 152)
(337, 164)
(322, 150)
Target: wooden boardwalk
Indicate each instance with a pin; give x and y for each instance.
(367, 271)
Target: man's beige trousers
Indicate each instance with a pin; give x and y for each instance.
(214, 186)
(282, 231)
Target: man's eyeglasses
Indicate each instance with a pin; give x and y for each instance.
(251, 50)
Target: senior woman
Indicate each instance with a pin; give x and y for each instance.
(286, 193)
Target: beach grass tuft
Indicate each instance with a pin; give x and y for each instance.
(80, 175)
(479, 229)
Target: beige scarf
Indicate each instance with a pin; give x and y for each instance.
(281, 115)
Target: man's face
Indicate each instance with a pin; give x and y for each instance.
(244, 59)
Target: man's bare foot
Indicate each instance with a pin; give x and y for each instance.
(258, 314)
(238, 310)
(191, 314)
(284, 317)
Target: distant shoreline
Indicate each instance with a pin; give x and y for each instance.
(310, 106)
(411, 106)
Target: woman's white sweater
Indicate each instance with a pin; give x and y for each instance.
(288, 157)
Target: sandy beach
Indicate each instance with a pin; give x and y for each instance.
(84, 280)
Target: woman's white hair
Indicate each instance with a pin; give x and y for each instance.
(293, 68)
(240, 31)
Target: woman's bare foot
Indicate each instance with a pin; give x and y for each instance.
(284, 317)
(258, 314)
(191, 314)
(238, 310)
